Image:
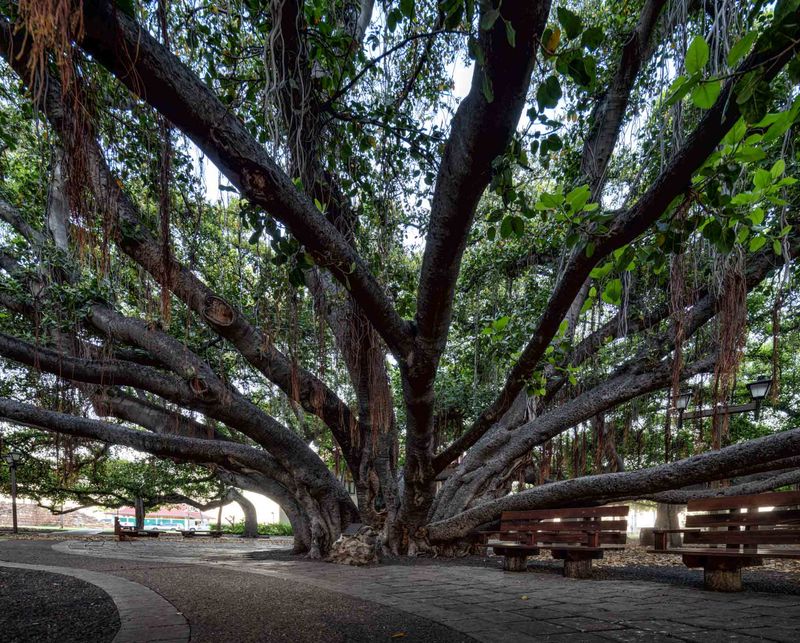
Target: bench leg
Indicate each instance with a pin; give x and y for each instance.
(581, 568)
(723, 580)
(515, 563)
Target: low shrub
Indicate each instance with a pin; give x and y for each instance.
(264, 529)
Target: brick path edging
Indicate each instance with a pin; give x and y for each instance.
(144, 615)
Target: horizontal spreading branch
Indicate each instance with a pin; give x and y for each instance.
(153, 73)
(764, 483)
(706, 467)
(224, 454)
(674, 180)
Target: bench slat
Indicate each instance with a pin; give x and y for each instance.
(566, 512)
(566, 525)
(764, 552)
(753, 537)
(771, 499)
(788, 517)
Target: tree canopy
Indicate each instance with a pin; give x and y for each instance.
(288, 244)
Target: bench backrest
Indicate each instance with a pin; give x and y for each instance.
(570, 525)
(757, 519)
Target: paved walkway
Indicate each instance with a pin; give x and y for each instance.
(490, 605)
(143, 614)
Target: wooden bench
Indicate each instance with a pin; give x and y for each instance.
(575, 535)
(189, 533)
(129, 533)
(727, 533)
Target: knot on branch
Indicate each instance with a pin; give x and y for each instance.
(201, 389)
(218, 311)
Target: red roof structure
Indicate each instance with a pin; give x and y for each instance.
(171, 511)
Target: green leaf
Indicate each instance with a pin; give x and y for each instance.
(753, 96)
(696, 56)
(393, 19)
(705, 94)
(511, 35)
(489, 18)
(579, 197)
(750, 154)
(571, 22)
(592, 38)
(736, 133)
(549, 93)
(756, 243)
(550, 201)
(793, 69)
(602, 271)
(778, 168)
(744, 198)
(476, 51)
(612, 294)
(518, 226)
(741, 48)
(757, 216)
(500, 324)
(679, 88)
(407, 8)
(776, 247)
(506, 228)
(742, 235)
(486, 88)
(762, 179)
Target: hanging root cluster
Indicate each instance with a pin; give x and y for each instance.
(731, 323)
(51, 29)
(51, 26)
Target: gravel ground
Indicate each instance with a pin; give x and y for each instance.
(39, 606)
(225, 605)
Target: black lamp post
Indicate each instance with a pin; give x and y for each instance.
(681, 404)
(13, 459)
(758, 391)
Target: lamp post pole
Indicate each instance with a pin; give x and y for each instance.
(12, 459)
(13, 472)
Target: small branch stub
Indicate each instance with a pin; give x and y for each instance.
(218, 311)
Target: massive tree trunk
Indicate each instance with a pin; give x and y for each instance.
(501, 446)
(138, 506)
(250, 513)
(481, 130)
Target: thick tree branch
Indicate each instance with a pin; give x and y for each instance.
(481, 130)
(225, 454)
(152, 72)
(706, 467)
(610, 110)
(671, 183)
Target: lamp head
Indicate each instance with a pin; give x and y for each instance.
(682, 400)
(760, 388)
(13, 458)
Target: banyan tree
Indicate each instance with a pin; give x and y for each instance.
(450, 256)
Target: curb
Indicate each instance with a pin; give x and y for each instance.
(144, 615)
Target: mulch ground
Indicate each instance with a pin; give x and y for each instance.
(226, 605)
(39, 606)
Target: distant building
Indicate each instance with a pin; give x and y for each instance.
(177, 517)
